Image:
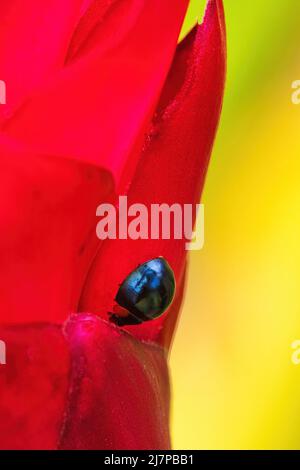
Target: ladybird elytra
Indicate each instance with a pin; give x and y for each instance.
(145, 293)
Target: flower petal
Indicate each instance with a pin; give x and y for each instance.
(97, 108)
(92, 387)
(34, 39)
(172, 166)
(119, 390)
(47, 237)
(105, 24)
(33, 386)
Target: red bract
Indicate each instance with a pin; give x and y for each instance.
(171, 168)
(72, 137)
(93, 387)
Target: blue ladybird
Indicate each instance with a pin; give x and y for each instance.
(146, 293)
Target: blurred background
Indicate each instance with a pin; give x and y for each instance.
(234, 383)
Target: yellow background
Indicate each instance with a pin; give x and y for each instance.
(234, 384)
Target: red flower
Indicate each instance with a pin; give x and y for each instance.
(82, 93)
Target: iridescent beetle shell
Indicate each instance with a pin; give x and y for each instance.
(146, 293)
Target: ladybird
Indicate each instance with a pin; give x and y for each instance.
(145, 294)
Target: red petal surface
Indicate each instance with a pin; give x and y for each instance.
(119, 394)
(171, 168)
(99, 105)
(47, 236)
(105, 24)
(34, 39)
(95, 388)
(33, 386)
